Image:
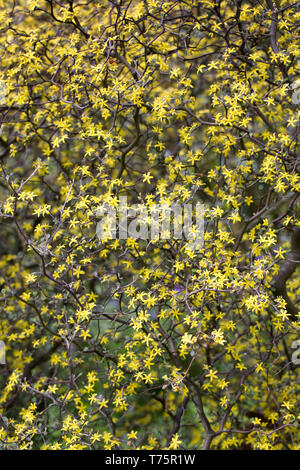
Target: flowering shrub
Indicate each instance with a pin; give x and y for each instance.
(149, 343)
